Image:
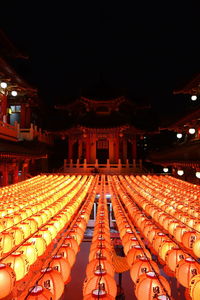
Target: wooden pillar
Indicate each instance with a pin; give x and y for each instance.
(80, 148)
(111, 151)
(70, 146)
(4, 106)
(5, 174)
(93, 150)
(23, 116)
(15, 173)
(88, 150)
(134, 148)
(116, 149)
(124, 150)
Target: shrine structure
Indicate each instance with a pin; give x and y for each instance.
(106, 134)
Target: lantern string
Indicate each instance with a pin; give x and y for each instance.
(168, 235)
(133, 228)
(88, 196)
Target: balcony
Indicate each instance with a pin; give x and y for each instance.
(8, 132)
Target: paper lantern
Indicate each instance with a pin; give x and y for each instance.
(96, 264)
(196, 248)
(8, 222)
(188, 238)
(185, 270)
(179, 231)
(37, 292)
(45, 233)
(7, 280)
(165, 246)
(173, 257)
(6, 241)
(39, 243)
(102, 281)
(194, 287)
(148, 286)
(135, 253)
(68, 253)
(53, 281)
(130, 244)
(60, 264)
(29, 250)
(19, 263)
(25, 226)
(98, 294)
(52, 229)
(141, 266)
(72, 243)
(33, 224)
(158, 239)
(18, 235)
(100, 253)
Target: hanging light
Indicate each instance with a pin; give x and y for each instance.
(14, 93)
(194, 97)
(7, 281)
(198, 174)
(180, 172)
(192, 130)
(179, 135)
(165, 170)
(3, 85)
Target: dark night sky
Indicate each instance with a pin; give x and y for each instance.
(146, 51)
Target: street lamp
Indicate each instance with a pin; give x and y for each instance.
(3, 85)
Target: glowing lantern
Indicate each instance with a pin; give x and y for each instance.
(165, 246)
(141, 266)
(152, 233)
(172, 226)
(185, 270)
(7, 280)
(53, 230)
(61, 265)
(179, 231)
(8, 222)
(196, 248)
(98, 294)
(135, 253)
(68, 253)
(77, 233)
(53, 281)
(18, 235)
(17, 218)
(30, 251)
(195, 287)
(25, 228)
(37, 292)
(173, 257)
(101, 280)
(100, 253)
(158, 239)
(96, 264)
(45, 233)
(19, 263)
(188, 238)
(6, 241)
(150, 285)
(33, 224)
(38, 219)
(130, 244)
(72, 243)
(39, 243)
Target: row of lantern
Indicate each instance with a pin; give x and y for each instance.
(180, 225)
(28, 253)
(99, 281)
(178, 261)
(143, 270)
(21, 231)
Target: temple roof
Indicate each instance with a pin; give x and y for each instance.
(22, 149)
(107, 113)
(191, 88)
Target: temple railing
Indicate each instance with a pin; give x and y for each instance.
(108, 168)
(8, 132)
(34, 132)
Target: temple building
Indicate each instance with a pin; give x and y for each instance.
(105, 133)
(183, 157)
(23, 144)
